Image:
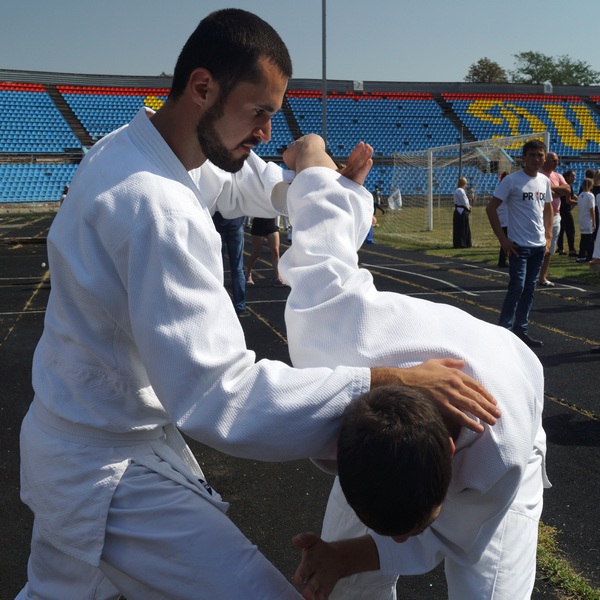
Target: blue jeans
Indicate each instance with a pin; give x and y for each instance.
(524, 271)
(233, 241)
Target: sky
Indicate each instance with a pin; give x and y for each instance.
(367, 40)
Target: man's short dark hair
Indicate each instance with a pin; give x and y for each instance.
(533, 145)
(229, 44)
(394, 459)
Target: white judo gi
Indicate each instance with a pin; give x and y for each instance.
(140, 340)
(487, 530)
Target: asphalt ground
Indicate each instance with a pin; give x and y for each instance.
(271, 502)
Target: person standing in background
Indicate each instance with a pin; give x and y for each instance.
(567, 223)
(587, 221)
(232, 234)
(528, 198)
(461, 227)
(560, 188)
(264, 229)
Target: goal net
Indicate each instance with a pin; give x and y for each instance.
(426, 182)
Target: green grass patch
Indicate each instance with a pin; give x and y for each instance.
(555, 568)
(406, 229)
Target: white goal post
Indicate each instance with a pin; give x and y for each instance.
(427, 179)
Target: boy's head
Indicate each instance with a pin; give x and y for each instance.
(229, 43)
(394, 455)
(534, 155)
(534, 145)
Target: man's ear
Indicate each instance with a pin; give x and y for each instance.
(203, 88)
(452, 447)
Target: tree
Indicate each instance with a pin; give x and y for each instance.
(537, 68)
(486, 71)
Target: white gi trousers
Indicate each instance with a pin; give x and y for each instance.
(163, 542)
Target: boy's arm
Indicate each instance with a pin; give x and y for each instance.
(325, 563)
(548, 221)
(492, 212)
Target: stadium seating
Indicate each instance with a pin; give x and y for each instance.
(31, 123)
(573, 126)
(391, 122)
(104, 109)
(23, 182)
(38, 137)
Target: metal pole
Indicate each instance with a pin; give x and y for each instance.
(324, 56)
(460, 153)
(429, 190)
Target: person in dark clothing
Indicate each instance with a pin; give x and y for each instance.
(567, 224)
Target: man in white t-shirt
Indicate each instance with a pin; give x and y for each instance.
(527, 195)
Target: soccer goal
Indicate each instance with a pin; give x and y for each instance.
(426, 181)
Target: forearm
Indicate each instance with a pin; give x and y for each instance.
(356, 555)
(562, 190)
(548, 221)
(492, 214)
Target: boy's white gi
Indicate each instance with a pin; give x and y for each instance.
(487, 530)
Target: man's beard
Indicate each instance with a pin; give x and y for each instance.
(211, 145)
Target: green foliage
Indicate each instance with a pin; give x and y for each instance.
(486, 71)
(537, 68)
(533, 67)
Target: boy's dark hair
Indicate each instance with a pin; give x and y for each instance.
(533, 145)
(229, 43)
(394, 459)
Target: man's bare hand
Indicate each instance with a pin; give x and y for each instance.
(323, 564)
(307, 151)
(319, 569)
(451, 388)
(359, 164)
(509, 247)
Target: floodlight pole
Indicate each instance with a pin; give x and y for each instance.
(460, 153)
(324, 56)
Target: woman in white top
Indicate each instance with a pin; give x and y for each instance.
(587, 221)
(461, 228)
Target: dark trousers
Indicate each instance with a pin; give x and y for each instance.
(461, 229)
(586, 246)
(524, 270)
(502, 258)
(233, 241)
(567, 227)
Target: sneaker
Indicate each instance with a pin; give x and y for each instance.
(595, 350)
(531, 342)
(243, 313)
(582, 259)
(546, 283)
(249, 280)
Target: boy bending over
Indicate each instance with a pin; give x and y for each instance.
(486, 529)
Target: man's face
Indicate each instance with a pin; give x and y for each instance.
(551, 162)
(231, 127)
(533, 160)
